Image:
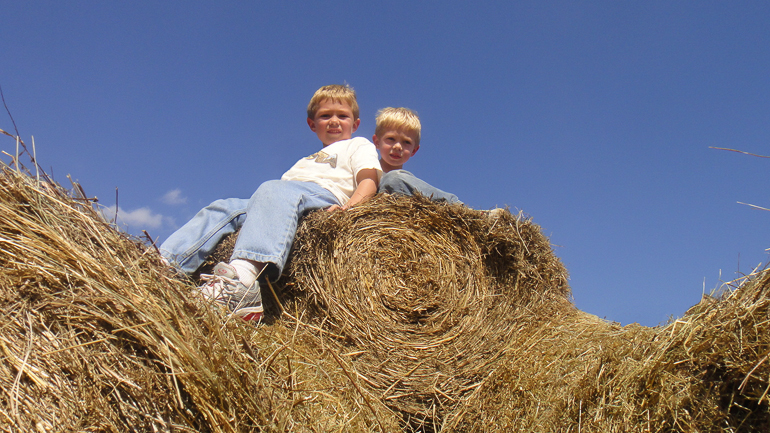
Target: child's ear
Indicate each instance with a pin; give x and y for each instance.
(355, 125)
(375, 140)
(416, 148)
(311, 124)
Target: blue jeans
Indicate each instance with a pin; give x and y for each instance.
(404, 182)
(268, 223)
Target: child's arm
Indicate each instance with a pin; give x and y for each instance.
(366, 189)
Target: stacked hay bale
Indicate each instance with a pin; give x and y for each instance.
(401, 314)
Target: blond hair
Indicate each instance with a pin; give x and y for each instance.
(341, 93)
(397, 118)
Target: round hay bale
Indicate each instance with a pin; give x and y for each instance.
(428, 293)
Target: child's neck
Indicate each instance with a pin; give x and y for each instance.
(386, 167)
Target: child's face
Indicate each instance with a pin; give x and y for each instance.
(333, 122)
(396, 146)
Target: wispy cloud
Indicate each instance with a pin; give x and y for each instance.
(174, 197)
(141, 219)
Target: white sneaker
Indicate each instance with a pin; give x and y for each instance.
(224, 288)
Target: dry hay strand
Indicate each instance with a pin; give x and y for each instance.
(706, 372)
(426, 295)
(97, 335)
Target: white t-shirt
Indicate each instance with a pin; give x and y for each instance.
(336, 166)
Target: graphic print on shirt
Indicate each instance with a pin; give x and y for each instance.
(322, 157)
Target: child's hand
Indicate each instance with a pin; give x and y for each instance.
(335, 207)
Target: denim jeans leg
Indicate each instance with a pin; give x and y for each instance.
(404, 182)
(272, 216)
(188, 247)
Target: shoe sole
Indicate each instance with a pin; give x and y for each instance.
(252, 317)
(252, 314)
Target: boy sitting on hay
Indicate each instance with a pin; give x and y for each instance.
(397, 137)
(343, 174)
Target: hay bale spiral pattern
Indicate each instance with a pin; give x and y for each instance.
(427, 293)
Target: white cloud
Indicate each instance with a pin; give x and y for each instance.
(174, 197)
(142, 218)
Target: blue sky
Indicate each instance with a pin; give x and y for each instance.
(595, 118)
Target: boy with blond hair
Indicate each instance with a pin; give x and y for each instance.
(397, 137)
(344, 173)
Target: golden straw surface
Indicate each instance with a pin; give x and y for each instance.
(429, 294)
(397, 315)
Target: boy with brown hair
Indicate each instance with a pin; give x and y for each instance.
(397, 137)
(344, 173)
